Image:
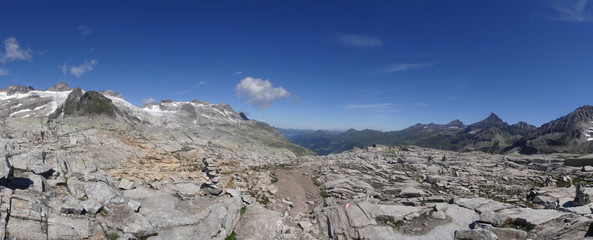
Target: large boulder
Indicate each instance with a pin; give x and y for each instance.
(103, 193)
(259, 223)
(480, 234)
(5, 170)
(196, 218)
(62, 227)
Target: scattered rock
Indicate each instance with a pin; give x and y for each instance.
(125, 184)
(5, 169)
(134, 205)
(42, 169)
(480, 234)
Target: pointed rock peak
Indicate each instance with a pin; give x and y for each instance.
(585, 108)
(111, 93)
(60, 87)
(75, 94)
(494, 117)
(351, 130)
(455, 123)
(581, 114)
(14, 89)
(243, 116)
(491, 121)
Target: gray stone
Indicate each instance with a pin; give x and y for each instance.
(432, 179)
(178, 219)
(306, 226)
(475, 235)
(71, 205)
(5, 169)
(214, 191)
(289, 203)
(125, 184)
(127, 236)
(41, 169)
(76, 187)
(546, 201)
(91, 206)
(439, 215)
(134, 205)
(38, 183)
(509, 233)
(581, 198)
(123, 217)
(233, 192)
(259, 223)
(186, 196)
(103, 193)
(529, 216)
(25, 159)
(18, 228)
(61, 227)
(411, 192)
(247, 199)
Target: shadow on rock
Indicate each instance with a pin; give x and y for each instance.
(20, 183)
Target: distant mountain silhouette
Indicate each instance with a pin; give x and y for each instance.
(571, 133)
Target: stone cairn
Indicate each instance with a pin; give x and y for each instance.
(211, 172)
(581, 198)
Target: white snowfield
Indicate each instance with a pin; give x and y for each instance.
(169, 113)
(589, 133)
(56, 99)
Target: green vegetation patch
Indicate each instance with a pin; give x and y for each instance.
(233, 236)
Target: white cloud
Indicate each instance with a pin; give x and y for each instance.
(147, 100)
(360, 41)
(3, 72)
(14, 52)
(260, 93)
(396, 67)
(238, 72)
(85, 30)
(573, 10)
(80, 69)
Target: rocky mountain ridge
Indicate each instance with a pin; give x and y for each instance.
(571, 133)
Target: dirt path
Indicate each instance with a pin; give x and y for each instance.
(298, 187)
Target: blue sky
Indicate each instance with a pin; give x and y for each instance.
(315, 64)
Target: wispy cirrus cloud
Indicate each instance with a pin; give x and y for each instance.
(573, 10)
(397, 67)
(201, 83)
(3, 72)
(238, 73)
(12, 51)
(79, 70)
(373, 107)
(85, 30)
(360, 41)
(259, 92)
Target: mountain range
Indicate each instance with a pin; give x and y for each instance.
(572, 133)
(218, 122)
